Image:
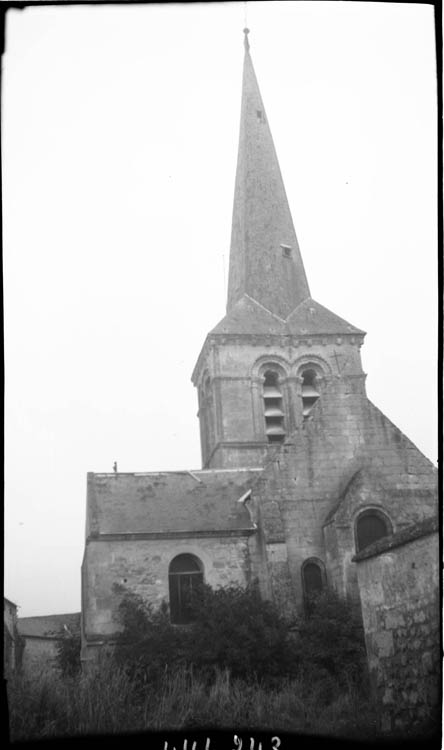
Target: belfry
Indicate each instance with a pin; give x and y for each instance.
(263, 367)
(301, 472)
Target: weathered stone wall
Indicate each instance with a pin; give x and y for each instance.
(233, 365)
(348, 458)
(399, 587)
(39, 654)
(142, 566)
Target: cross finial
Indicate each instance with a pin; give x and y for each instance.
(246, 42)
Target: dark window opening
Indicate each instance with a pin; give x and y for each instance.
(185, 580)
(371, 526)
(273, 408)
(286, 251)
(313, 579)
(310, 393)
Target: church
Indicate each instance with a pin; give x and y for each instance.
(300, 471)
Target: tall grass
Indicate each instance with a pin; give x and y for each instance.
(107, 702)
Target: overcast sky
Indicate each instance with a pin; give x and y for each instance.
(120, 130)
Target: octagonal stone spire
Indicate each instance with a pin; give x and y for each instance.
(265, 260)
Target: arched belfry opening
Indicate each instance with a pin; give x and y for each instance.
(310, 391)
(273, 407)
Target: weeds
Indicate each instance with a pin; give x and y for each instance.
(108, 702)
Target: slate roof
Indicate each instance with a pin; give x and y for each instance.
(309, 318)
(262, 226)
(163, 502)
(248, 316)
(48, 626)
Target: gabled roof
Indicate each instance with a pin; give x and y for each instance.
(169, 502)
(48, 626)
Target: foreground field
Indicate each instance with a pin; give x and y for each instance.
(107, 702)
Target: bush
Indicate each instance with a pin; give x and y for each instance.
(331, 640)
(68, 655)
(148, 643)
(233, 629)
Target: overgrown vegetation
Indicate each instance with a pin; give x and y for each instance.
(109, 702)
(235, 630)
(238, 665)
(68, 655)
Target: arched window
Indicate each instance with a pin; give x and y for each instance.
(313, 577)
(185, 576)
(310, 393)
(273, 407)
(371, 525)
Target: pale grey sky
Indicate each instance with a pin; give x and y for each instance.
(120, 129)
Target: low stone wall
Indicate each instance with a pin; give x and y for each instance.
(399, 588)
(39, 654)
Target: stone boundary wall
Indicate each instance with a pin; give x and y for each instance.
(399, 588)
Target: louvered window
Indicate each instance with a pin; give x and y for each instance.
(273, 408)
(310, 393)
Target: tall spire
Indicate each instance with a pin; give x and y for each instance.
(265, 261)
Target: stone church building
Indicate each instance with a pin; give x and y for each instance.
(301, 471)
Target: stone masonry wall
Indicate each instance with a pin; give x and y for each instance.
(399, 588)
(308, 480)
(142, 567)
(39, 654)
(236, 384)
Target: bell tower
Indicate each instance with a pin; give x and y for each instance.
(270, 364)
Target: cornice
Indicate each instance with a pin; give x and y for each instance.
(152, 535)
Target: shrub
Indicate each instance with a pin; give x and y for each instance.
(233, 629)
(68, 655)
(331, 640)
(148, 643)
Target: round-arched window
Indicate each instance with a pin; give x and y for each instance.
(371, 525)
(313, 580)
(185, 577)
(273, 407)
(313, 577)
(310, 392)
